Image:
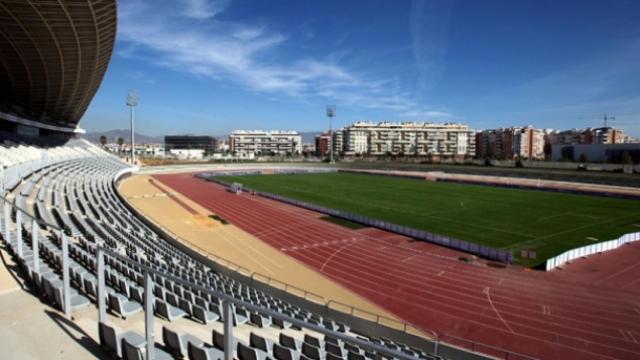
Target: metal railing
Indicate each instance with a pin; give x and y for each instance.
(381, 319)
(475, 346)
(221, 261)
(37, 224)
(447, 241)
(306, 294)
(227, 301)
(149, 297)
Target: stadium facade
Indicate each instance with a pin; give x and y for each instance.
(54, 56)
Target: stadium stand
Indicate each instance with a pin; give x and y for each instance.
(74, 239)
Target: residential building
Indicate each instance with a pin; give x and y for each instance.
(222, 146)
(338, 141)
(308, 149)
(407, 138)
(357, 140)
(528, 143)
(322, 144)
(494, 144)
(511, 143)
(568, 137)
(603, 135)
(265, 142)
(608, 135)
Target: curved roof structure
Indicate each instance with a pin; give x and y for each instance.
(53, 56)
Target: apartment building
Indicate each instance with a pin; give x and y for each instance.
(322, 144)
(608, 135)
(528, 143)
(265, 142)
(602, 135)
(494, 143)
(511, 143)
(407, 138)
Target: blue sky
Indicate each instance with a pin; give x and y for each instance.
(211, 66)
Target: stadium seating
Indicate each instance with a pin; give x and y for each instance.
(72, 187)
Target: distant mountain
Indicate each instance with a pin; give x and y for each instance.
(113, 135)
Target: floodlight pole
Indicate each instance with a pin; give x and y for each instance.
(132, 101)
(331, 112)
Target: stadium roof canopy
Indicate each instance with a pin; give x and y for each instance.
(53, 56)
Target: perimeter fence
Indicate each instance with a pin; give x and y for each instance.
(448, 241)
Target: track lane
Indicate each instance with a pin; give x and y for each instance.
(458, 292)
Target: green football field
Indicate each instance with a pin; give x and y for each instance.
(513, 219)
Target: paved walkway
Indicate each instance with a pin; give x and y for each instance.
(30, 329)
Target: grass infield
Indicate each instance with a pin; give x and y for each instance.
(547, 222)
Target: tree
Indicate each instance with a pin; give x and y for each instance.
(103, 140)
(120, 141)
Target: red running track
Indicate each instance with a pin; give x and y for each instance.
(545, 315)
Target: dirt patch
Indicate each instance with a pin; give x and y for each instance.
(342, 222)
(496, 265)
(219, 219)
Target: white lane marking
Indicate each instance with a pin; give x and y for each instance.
(623, 335)
(333, 255)
(409, 257)
(628, 336)
(486, 291)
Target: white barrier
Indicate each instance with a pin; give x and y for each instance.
(121, 173)
(591, 249)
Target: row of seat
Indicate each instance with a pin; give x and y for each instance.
(90, 213)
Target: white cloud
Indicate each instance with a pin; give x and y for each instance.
(239, 53)
(429, 23)
(204, 9)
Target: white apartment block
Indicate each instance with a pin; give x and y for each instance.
(528, 143)
(265, 142)
(408, 138)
